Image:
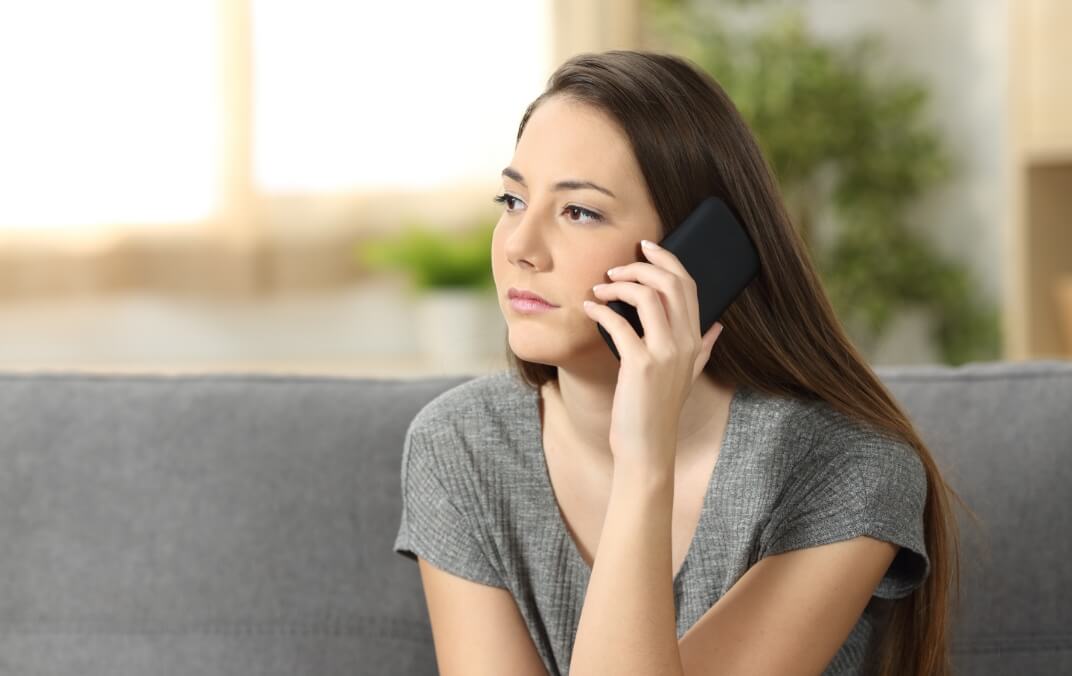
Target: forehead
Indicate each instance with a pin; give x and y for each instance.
(567, 139)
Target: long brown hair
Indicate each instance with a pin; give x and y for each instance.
(781, 334)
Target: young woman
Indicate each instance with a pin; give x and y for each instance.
(747, 501)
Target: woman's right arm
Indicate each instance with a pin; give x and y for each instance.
(477, 629)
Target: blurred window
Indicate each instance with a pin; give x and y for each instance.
(115, 111)
(392, 95)
(109, 112)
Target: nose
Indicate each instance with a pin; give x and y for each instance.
(524, 244)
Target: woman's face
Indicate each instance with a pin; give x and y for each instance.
(558, 243)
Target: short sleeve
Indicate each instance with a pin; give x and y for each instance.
(433, 526)
(877, 489)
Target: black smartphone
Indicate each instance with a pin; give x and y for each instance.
(719, 255)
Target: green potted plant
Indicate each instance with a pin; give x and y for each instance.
(850, 150)
(451, 285)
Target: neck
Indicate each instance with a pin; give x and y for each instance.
(579, 411)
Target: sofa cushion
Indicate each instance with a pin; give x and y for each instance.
(243, 523)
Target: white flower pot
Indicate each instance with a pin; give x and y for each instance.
(456, 326)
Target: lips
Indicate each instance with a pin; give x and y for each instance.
(524, 293)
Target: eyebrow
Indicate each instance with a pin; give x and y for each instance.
(510, 172)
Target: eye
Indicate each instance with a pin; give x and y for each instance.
(593, 217)
(506, 199)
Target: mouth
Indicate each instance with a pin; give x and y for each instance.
(525, 297)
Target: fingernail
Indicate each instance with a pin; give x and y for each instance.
(648, 245)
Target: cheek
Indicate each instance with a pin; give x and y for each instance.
(586, 266)
(498, 260)
(599, 262)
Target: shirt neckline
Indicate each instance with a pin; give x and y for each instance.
(554, 513)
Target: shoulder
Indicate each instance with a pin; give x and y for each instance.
(834, 432)
(838, 447)
(472, 425)
(469, 404)
(794, 440)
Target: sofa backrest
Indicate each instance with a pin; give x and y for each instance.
(243, 523)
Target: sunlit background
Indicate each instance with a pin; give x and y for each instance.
(306, 186)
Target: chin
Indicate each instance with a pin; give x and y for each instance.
(556, 347)
(532, 344)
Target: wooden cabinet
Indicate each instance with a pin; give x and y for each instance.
(1038, 252)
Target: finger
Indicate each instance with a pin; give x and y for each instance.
(668, 274)
(709, 340)
(663, 257)
(711, 337)
(651, 307)
(681, 301)
(621, 331)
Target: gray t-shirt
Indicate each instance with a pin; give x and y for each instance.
(478, 502)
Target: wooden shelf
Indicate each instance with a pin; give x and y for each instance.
(1038, 253)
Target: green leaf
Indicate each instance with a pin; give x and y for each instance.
(840, 130)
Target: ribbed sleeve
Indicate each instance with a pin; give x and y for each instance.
(433, 527)
(870, 489)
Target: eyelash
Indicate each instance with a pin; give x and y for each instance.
(595, 218)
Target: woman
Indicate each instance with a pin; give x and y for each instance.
(751, 500)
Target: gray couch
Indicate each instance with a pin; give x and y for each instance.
(243, 524)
